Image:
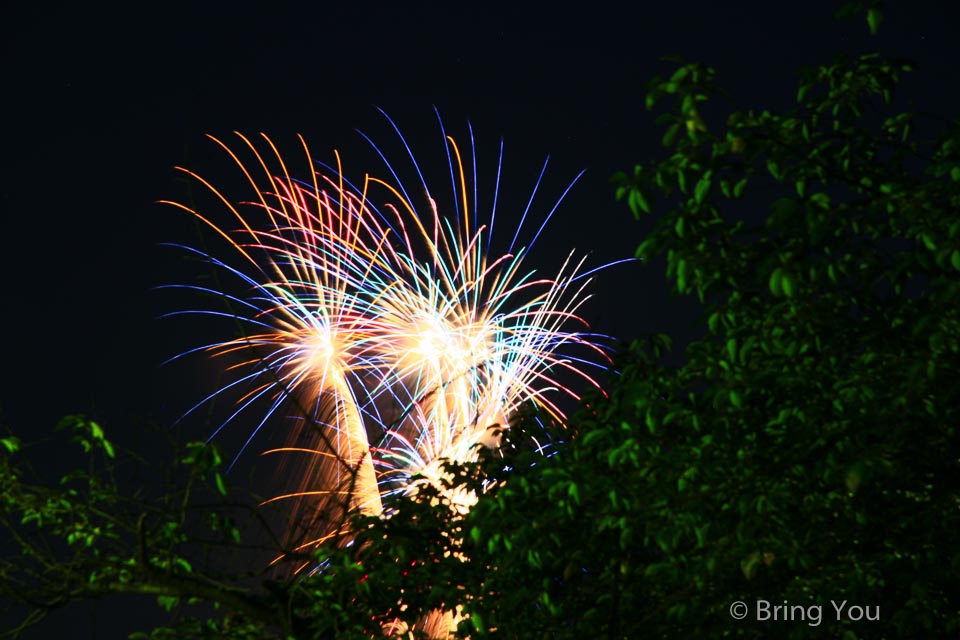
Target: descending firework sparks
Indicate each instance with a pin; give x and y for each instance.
(395, 335)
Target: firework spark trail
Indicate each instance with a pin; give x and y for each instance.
(383, 320)
(318, 327)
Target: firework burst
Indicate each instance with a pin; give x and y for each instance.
(391, 333)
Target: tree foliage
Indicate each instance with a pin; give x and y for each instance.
(85, 537)
(807, 449)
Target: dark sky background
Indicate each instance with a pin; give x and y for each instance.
(101, 103)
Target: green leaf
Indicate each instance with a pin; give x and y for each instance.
(596, 434)
(574, 492)
(701, 190)
(786, 282)
(533, 558)
(874, 18)
(776, 279)
(477, 621)
(637, 202)
(12, 445)
(701, 533)
(643, 251)
(713, 321)
(96, 432)
(750, 564)
(735, 399)
(739, 188)
(221, 486)
(774, 169)
(671, 134)
(168, 602)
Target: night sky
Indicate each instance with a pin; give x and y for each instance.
(102, 103)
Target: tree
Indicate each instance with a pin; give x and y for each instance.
(192, 543)
(807, 449)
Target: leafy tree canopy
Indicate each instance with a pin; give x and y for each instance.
(807, 450)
